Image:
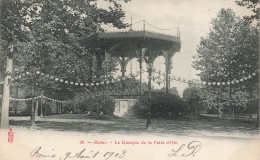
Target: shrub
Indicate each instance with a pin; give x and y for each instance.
(97, 103)
(161, 105)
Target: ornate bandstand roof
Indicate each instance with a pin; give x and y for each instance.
(127, 42)
(138, 34)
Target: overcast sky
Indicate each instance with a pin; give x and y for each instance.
(193, 18)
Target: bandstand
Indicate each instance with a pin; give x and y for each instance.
(144, 45)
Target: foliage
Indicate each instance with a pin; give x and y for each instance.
(228, 53)
(172, 90)
(57, 38)
(161, 105)
(253, 5)
(194, 98)
(95, 104)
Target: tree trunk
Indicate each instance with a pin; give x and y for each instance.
(16, 103)
(6, 95)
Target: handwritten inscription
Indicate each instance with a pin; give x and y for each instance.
(82, 154)
(186, 150)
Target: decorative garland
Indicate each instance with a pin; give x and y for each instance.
(214, 83)
(29, 99)
(60, 80)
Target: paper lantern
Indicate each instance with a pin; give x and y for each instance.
(61, 80)
(66, 82)
(71, 82)
(56, 79)
(228, 82)
(223, 83)
(232, 82)
(81, 84)
(37, 72)
(253, 74)
(76, 84)
(107, 82)
(86, 84)
(218, 83)
(214, 83)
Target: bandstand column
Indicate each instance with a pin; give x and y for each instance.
(140, 54)
(149, 70)
(123, 70)
(168, 67)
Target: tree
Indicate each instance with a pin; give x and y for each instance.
(11, 22)
(56, 38)
(172, 90)
(194, 97)
(229, 53)
(253, 5)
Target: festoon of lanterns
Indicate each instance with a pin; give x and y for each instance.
(215, 83)
(61, 80)
(32, 98)
(91, 84)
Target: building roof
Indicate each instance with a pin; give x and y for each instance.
(139, 34)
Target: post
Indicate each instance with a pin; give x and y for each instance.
(149, 118)
(36, 107)
(61, 107)
(41, 106)
(32, 122)
(230, 102)
(6, 93)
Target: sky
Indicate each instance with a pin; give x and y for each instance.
(193, 17)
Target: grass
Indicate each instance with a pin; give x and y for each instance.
(131, 125)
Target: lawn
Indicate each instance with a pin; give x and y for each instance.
(130, 125)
